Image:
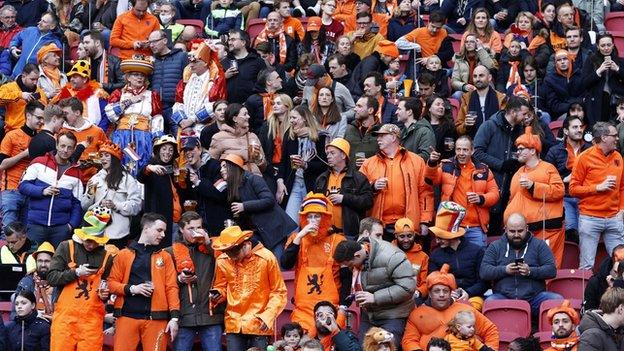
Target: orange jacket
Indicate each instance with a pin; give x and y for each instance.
(420, 263)
(165, 299)
(255, 291)
(129, 29)
(11, 99)
(425, 322)
(12, 144)
(483, 183)
(457, 344)
(460, 125)
(345, 10)
(418, 194)
(294, 28)
(592, 168)
(82, 134)
(544, 201)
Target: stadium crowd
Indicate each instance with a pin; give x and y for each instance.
(311, 175)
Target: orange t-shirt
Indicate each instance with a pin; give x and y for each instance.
(334, 184)
(429, 45)
(14, 142)
(293, 28)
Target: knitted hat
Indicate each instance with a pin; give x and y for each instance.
(47, 49)
(529, 140)
(340, 144)
(388, 48)
(404, 225)
(564, 53)
(81, 68)
(235, 159)
(98, 218)
(564, 308)
(137, 64)
(315, 203)
(448, 221)
(442, 277)
(111, 148)
(231, 237)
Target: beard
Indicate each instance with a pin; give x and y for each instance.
(322, 330)
(562, 333)
(43, 274)
(517, 245)
(406, 249)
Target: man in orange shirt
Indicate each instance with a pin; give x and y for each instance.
(405, 235)
(144, 278)
(597, 182)
(398, 180)
(430, 40)
(537, 193)
(468, 183)
(292, 25)
(14, 159)
(248, 278)
(131, 30)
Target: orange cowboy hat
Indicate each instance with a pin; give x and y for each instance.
(448, 220)
(231, 237)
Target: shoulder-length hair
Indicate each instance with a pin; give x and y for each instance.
(471, 28)
(310, 122)
(333, 114)
(275, 127)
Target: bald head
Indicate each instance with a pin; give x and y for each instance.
(516, 219)
(481, 77)
(273, 21)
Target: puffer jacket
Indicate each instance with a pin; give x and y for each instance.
(389, 276)
(128, 198)
(448, 173)
(221, 20)
(168, 71)
(34, 331)
(597, 335)
(536, 254)
(54, 210)
(461, 70)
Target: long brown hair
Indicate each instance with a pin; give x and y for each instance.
(472, 29)
(234, 180)
(333, 114)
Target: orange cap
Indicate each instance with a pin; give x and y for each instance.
(388, 48)
(235, 159)
(314, 24)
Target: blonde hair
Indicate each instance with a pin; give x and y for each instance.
(310, 122)
(459, 318)
(275, 126)
(528, 15)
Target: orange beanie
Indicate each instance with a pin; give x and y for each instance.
(442, 277)
(529, 140)
(388, 48)
(564, 308)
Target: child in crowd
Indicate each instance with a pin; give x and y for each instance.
(461, 333)
(394, 81)
(292, 337)
(438, 344)
(433, 66)
(223, 18)
(377, 339)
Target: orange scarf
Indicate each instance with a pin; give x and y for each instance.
(54, 74)
(565, 343)
(328, 341)
(514, 75)
(277, 150)
(267, 102)
(265, 35)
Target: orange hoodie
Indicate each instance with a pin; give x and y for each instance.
(129, 29)
(592, 168)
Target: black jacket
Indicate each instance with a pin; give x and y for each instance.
(371, 63)
(115, 75)
(242, 85)
(36, 334)
(358, 198)
(210, 200)
(597, 285)
(593, 86)
(197, 312)
(464, 263)
(255, 106)
(558, 157)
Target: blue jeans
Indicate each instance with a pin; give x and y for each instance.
(476, 236)
(210, 337)
(570, 206)
(54, 235)
(535, 302)
(14, 207)
(238, 342)
(590, 229)
(394, 326)
(297, 194)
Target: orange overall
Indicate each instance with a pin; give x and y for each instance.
(79, 313)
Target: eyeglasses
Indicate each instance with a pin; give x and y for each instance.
(520, 149)
(155, 40)
(612, 135)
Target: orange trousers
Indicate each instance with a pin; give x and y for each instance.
(130, 332)
(555, 238)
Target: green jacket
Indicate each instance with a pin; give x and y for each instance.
(366, 143)
(418, 138)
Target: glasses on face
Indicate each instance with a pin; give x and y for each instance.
(612, 135)
(155, 40)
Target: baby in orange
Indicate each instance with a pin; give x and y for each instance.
(461, 333)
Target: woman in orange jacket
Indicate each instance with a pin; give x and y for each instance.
(537, 192)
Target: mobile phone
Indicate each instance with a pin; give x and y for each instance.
(37, 95)
(519, 261)
(187, 272)
(213, 293)
(169, 169)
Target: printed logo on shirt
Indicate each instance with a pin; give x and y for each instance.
(315, 282)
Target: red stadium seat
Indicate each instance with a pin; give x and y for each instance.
(491, 239)
(425, 19)
(197, 23)
(108, 343)
(456, 40)
(555, 126)
(601, 254)
(5, 310)
(618, 37)
(114, 51)
(254, 27)
(282, 319)
(289, 279)
(544, 338)
(511, 316)
(505, 338)
(571, 254)
(614, 21)
(570, 283)
(544, 326)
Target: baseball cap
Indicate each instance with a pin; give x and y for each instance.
(315, 71)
